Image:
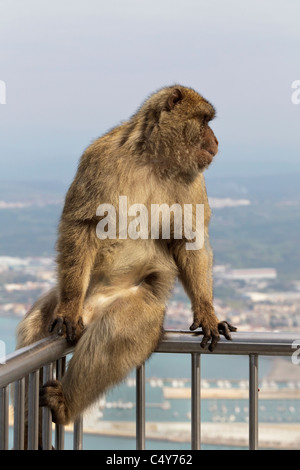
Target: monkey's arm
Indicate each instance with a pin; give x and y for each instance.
(77, 248)
(195, 273)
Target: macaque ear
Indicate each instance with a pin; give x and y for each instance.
(174, 98)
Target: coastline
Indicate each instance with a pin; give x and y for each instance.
(283, 436)
(271, 436)
(232, 393)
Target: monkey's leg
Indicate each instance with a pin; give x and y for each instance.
(123, 337)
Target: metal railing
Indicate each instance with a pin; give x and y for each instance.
(49, 355)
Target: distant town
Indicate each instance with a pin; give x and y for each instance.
(248, 298)
(254, 233)
(251, 299)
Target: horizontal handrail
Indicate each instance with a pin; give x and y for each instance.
(28, 359)
(243, 343)
(25, 360)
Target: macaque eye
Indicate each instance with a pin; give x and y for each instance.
(203, 119)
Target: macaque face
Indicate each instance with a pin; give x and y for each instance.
(195, 113)
(201, 141)
(209, 145)
(173, 132)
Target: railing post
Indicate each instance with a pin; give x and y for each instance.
(30, 358)
(4, 400)
(46, 413)
(19, 408)
(196, 404)
(253, 401)
(59, 428)
(77, 434)
(140, 407)
(33, 410)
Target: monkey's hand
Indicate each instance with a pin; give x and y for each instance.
(67, 324)
(211, 327)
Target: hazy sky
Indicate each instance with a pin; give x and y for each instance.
(75, 68)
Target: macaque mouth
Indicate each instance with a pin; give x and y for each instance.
(209, 152)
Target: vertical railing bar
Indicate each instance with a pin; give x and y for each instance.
(46, 413)
(77, 434)
(59, 428)
(33, 410)
(195, 402)
(140, 407)
(253, 401)
(4, 417)
(19, 408)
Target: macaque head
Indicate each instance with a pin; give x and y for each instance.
(175, 130)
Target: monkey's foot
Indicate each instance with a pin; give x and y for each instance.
(52, 395)
(69, 327)
(213, 333)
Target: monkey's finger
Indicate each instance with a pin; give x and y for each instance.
(224, 327)
(57, 323)
(45, 392)
(59, 326)
(231, 327)
(214, 341)
(74, 330)
(42, 397)
(206, 337)
(194, 326)
(70, 331)
(52, 326)
(224, 330)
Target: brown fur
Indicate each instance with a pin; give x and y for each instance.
(111, 294)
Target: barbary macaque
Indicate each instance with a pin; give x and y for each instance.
(111, 292)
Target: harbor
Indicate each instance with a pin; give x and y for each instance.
(271, 436)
